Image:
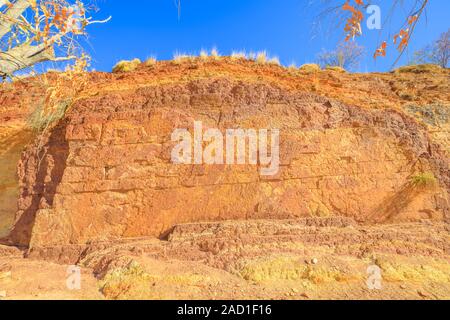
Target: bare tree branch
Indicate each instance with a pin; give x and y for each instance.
(347, 55)
(31, 30)
(353, 13)
(8, 19)
(437, 53)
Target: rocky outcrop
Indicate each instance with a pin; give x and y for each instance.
(104, 171)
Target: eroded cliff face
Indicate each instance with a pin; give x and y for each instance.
(15, 102)
(105, 172)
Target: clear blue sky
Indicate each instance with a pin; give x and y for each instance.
(141, 28)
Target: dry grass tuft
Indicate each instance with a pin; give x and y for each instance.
(336, 69)
(118, 282)
(126, 65)
(215, 54)
(310, 67)
(62, 90)
(420, 68)
(261, 57)
(424, 180)
(274, 60)
(41, 118)
(179, 57)
(204, 54)
(151, 61)
(238, 55)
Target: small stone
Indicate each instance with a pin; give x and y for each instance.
(294, 290)
(423, 294)
(305, 295)
(403, 286)
(314, 261)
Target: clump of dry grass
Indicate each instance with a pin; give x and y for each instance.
(151, 61)
(204, 54)
(179, 57)
(238, 55)
(420, 68)
(252, 55)
(424, 180)
(263, 58)
(126, 65)
(292, 68)
(335, 68)
(310, 67)
(62, 90)
(41, 118)
(119, 281)
(215, 54)
(274, 60)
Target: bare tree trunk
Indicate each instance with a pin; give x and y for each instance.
(24, 56)
(8, 19)
(37, 48)
(18, 57)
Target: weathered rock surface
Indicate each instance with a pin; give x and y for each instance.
(104, 171)
(307, 258)
(97, 189)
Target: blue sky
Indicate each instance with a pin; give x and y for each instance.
(287, 29)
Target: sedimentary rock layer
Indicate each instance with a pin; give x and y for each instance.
(104, 171)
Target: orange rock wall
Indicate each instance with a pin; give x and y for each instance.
(104, 172)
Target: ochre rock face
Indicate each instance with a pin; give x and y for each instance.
(105, 170)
